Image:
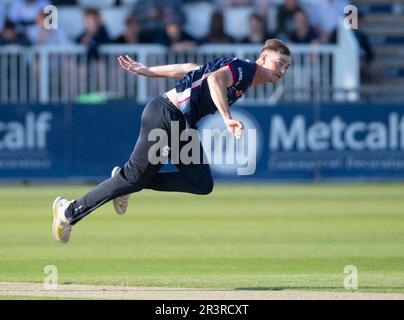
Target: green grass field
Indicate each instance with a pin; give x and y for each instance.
(240, 236)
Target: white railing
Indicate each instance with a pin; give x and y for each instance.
(62, 74)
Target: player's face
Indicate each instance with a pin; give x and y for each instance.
(277, 64)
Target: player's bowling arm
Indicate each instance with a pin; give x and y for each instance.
(175, 71)
(218, 83)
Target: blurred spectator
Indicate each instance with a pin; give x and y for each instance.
(366, 54)
(94, 34)
(284, 18)
(24, 12)
(263, 6)
(39, 34)
(324, 16)
(303, 32)
(175, 37)
(132, 32)
(217, 33)
(153, 13)
(10, 35)
(257, 30)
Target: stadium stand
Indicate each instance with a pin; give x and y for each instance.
(383, 22)
(332, 68)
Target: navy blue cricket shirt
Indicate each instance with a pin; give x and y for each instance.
(193, 91)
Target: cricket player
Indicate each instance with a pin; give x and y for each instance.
(199, 91)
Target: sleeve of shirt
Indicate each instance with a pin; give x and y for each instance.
(242, 72)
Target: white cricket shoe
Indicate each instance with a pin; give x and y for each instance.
(61, 228)
(120, 203)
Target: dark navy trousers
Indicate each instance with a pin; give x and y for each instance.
(139, 173)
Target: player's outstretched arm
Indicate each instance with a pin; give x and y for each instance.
(218, 83)
(175, 71)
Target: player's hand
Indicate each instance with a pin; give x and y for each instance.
(235, 127)
(133, 66)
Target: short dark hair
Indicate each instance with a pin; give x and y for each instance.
(277, 46)
(8, 24)
(92, 12)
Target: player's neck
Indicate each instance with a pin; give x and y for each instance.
(261, 76)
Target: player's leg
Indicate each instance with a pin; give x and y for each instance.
(183, 181)
(194, 174)
(193, 178)
(136, 174)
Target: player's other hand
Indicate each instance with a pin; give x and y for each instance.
(133, 66)
(235, 127)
